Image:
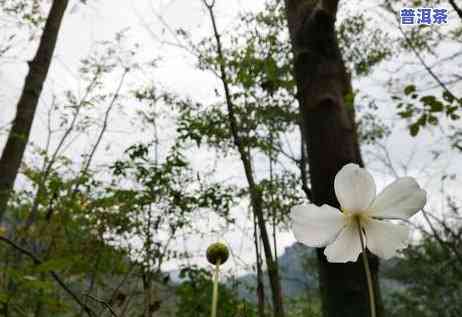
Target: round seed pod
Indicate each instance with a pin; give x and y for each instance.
(217, 252)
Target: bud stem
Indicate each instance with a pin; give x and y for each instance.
(215, 289)
(367, 270)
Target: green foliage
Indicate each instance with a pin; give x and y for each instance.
(371, 127)
(56, 215)
(438, 294)
(308, 305)
(26, 11)
(428, 110)
(361, 49)
(430, 272)
(195, 296)
(259, 73)
(204, 125)
(277, 203)
(162, 200)
(62, 233)
(170, 183)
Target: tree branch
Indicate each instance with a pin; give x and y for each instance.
(456, 8)
(108, 307)
(105, 124)
(55, 275)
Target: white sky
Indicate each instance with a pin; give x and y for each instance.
(101, 19)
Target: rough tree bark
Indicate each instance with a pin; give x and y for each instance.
(330, 135)
(19, 134)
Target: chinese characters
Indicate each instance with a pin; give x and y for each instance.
(425, 16)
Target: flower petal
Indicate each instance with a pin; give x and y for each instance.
(346, 247)
(385, 238)
(401, 199)
(354, 188)
(316, 226)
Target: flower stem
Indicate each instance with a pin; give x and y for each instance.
(215, 289)
(367, 269)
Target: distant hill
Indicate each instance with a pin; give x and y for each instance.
(298, 268)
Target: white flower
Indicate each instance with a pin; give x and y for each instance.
(338, 230)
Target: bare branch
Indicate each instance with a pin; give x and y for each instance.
(437, 236)
(105, 122)
(209, 5)
(108, 307)
(456, 8)
(302, 165)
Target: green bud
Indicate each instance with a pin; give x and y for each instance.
(217, 252)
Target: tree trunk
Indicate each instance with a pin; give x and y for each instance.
(147, 294)
(260, 287)
(330, 135)
(19, 134)
(151, 300)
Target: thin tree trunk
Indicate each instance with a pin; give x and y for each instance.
(5, 310)
(27, 105)
(330, 135)
(147, 291)
(254, 191)
(260, 287)
(39, 305)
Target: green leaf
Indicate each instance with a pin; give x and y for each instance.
(414, 129)
(406, 114)
(349, 99)
(448, 96)
(4, 298)
(432, 120)
(409, 90)
(428, 100)
(436, 107)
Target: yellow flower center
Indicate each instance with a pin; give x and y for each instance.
(353, 217)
